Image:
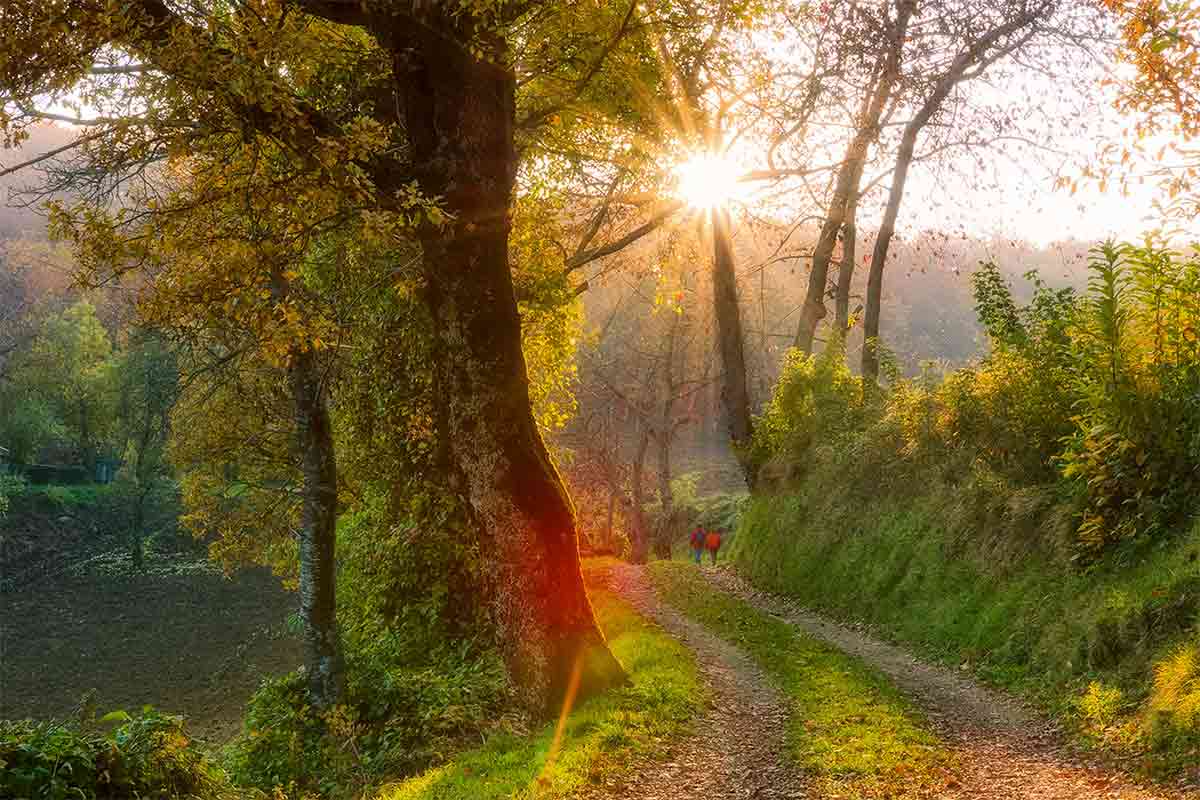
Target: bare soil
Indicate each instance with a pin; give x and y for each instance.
(738, 747)
(195, 644)
(1006, 749)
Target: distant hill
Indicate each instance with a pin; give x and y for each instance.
(16, 220)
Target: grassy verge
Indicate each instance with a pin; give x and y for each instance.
(602, 739)
(851, 729)
(1082, 644)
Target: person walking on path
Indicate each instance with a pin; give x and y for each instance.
(697, 543)
(712, 543)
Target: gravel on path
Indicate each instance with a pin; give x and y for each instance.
(1006, 749)
(738, 748)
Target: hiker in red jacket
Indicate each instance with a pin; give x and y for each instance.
(697, 542)
(712, 543)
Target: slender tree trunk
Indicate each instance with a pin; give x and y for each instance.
(846, 269)
(318, 526)
(887, 229)
(666, 429)
(460, 118)
(639, 540)
(610, 517)
(663, 453)
(849, 177)
(735, 394)
(984, 51)
(662, 536)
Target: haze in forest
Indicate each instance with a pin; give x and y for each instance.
(564, 399)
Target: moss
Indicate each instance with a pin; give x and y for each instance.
(1025, 617)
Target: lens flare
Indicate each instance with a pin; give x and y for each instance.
(708, 181)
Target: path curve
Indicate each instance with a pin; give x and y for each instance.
(1006, 750)
(738, 748)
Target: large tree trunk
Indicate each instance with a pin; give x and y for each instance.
(850, 176)
(460, 118)
(318, 526)
(735, 394)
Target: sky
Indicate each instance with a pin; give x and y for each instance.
(1062, 103)
(1012, 193)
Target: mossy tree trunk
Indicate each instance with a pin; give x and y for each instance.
(460, 120)
(318, 528)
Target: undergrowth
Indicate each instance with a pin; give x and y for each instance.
(850, 729)
(1029, 516)
(601, 739)
(147, 755)
(1081, 644)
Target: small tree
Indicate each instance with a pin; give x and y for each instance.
(62, 387)
(148, 385)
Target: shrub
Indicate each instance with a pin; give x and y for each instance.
(816, 397)
(9, 486)
(1176, 692)
(1101, 705)
(420, 677)
(1098, 392)
(394, 721)
(147, 756)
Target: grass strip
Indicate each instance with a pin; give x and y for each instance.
(604, 738)
(851, 730)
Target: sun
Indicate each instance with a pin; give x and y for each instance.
(708, 180)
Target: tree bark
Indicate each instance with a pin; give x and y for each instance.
(887, 229)
(735, 394)
(639, 540)
(665, 426)
(663, 453)
(460, 118)
(662, 536)
(846, 268)
(607, 545)
(318, 526)
(849, 178)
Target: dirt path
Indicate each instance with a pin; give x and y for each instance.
(738, 748)
(1007, 751)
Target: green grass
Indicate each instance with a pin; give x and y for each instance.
(603, 738)
(1018, 613)
(850, 729)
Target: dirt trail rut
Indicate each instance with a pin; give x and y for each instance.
(1006, 750)
(737, 751)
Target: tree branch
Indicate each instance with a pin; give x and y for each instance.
(49, 154)
(580, 259)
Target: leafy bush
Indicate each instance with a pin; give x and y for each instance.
(414, 690)
(1031, 514)
(1099, 393)
(816, 397)
(9, 486)
(1177, 688)
(394, 721)
(148, 756)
